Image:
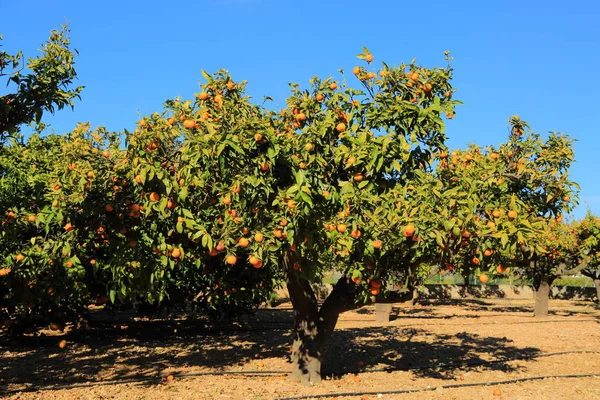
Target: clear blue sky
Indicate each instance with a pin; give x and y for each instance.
(539, 59)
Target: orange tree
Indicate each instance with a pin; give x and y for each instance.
(587, 232)
(45, 89)
(523, 188)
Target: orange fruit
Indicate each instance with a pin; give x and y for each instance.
(409, 230)
(512, 214)
(283, 222)
(31, 218)
(494, 156)
(4, 271)
(181, 220)
(106, 154)
(69, 264)
(255, 262)
(376, 283)
(154, 196)
(559, 218)
(62, 344)
(371, 75)
(171, 204)
(497, 392)
(230, 85)
(369, 58)
(341, 228)
(319, 97)
(414, 76)
(220, 246)
(189, 124)
(358, 177)
(291, 204)
(109, 208)
(132, 243)
(341, 127)
(308, 147)
(213, 252)
(19, 257)
(300, 117)
(483, 278)
(203, 95)
(92, 262)
(501, 269)
(231, 259)
(497, 213)
(375, 291)
(355, 234)
(264, 167)
(244, 242)
(487, 252)
(277, 233)
(68, 227)
(259, 237)
(376, 244)
(175, 253)
(333, 86)
(356, 70)
(171, 121)
(226, 201)
(258, 137)
(475, 260)
(326, 193)
(143, 123)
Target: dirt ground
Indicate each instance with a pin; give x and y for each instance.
(131, 359)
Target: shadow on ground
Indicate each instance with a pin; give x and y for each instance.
(145, 349)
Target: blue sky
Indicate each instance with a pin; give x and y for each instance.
(535, 58)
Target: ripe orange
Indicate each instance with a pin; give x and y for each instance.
(90, 174)
(231, 259)
(68, 227)
(132, 243)
(31, 218)
(143, 123)
(283, 222)
(497, 392)
(475, 260)
(296, 267)
(409, 230)
(171, 121)
(319, 97)
(341, 127)
(259, 237)
(258, 137)
(414, 76)
(356, 279)
(220, 246)
(375, 291)
(501, 269)
(356, 70)
(109, 208)
(230, 85)
(278, 233)
(559, 218)
(181, 220)
(369, 58)
(69, 264)
(494, 156)
(308, 147)
(341, 228)
(512, 214)
(203, 95)
(326, 193)
(226, 201)
(213, 252)
(483, 278)
(106, 154)
(333, 86)
(487, 252)
(355, 234)
(358, 177)
(170, 378)
(189, 124)
(300, 117)
(291, 204)
(255, 262)
(244, 242)
(376, 244)
(62, 344)
(497, 213)
(376, 283)
(264, 167)
(175, 253)
(20, 257)
(171, 204)
(154, 196)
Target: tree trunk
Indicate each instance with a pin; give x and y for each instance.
(597, 285)
(541, 285)
(313, 327)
